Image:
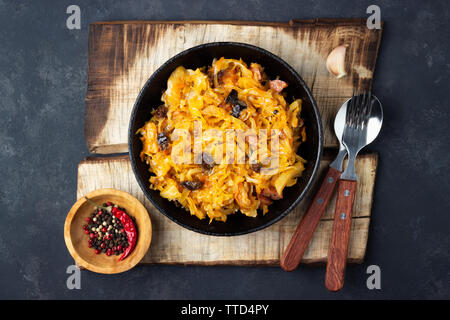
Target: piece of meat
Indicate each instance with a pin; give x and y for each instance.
(242, 196)
(256, 70)
(227, 76)
(263, 200)
(220, 76)
(161, 112)
(271, 193)
(256, 167)
(277, 85)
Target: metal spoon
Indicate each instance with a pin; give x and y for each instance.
(361, 125)
(374, 128)
(339, 130)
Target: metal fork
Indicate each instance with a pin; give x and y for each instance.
(354, 138)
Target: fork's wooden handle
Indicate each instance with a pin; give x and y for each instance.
(340, 236)
(305, 230)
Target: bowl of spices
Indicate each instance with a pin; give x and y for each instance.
(107, 231)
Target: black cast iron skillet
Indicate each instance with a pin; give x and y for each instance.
(311, 150)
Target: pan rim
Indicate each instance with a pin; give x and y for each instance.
(318, 152)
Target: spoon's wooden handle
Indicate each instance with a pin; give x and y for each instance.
(305, 230)
(340, 236)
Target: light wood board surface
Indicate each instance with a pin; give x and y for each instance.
(123, 55)
(172, 244)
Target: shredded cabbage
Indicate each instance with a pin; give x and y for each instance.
(226, 187)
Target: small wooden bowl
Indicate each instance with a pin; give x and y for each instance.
(77, 240)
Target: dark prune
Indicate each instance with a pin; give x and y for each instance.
(191, 185)
(256, 167)
(236, 105)
(220, 76)
(232, 97)
(207, 161)
(163, 141)
(237, 109)
(161, 112)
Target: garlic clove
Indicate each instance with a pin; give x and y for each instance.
(336, 61)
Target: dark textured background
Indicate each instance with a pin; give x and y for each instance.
(43, 68)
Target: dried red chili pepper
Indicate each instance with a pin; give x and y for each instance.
(129, 228)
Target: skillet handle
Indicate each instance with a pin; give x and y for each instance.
(340, 236)
(305, 230)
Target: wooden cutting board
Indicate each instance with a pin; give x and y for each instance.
(123, 55)
(172, 244)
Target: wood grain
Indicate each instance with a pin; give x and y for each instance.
(340, 236)
(172, 244)
(305, 230)
(123, 55)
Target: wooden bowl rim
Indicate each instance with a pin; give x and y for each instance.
(141, 246)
